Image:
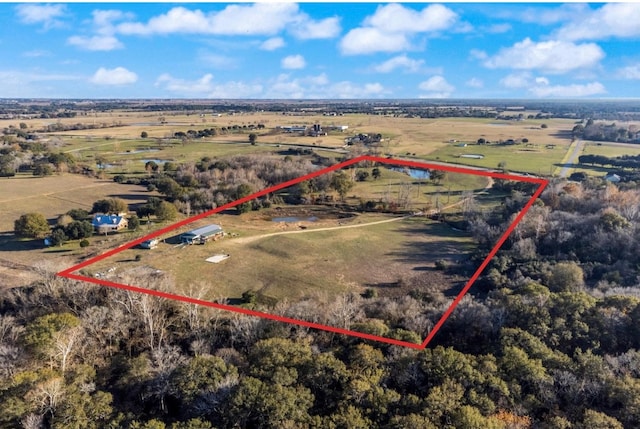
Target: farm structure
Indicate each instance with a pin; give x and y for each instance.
(109, 222)
(149, 244)
(202, 235)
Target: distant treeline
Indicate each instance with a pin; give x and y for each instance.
(598, 110)
(599, 131)
(625, 161)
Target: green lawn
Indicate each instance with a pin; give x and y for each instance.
(537, 159)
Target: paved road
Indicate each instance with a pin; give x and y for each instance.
(574, 154)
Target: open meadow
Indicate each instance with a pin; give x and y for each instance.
(328, 257)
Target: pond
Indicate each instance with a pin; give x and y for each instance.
(472, 156)
(157, 161)
(133, 152)
(291, 219)
(415, 173)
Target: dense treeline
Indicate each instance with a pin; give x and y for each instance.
(596, 109)
(209, 183)
(600, 131)
(549, 339)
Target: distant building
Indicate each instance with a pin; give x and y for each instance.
(103, 222)
(612, 177)
(293, 129)
(202, 235)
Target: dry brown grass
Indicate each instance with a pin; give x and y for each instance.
(55, 195)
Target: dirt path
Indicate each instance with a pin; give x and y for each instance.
(244, 240)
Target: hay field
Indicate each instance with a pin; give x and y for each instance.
(57, 194)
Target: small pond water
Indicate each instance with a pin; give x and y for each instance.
(291, 219)
(415, 173)
(157, 161)
(133, 152)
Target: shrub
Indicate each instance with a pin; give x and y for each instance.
(249, 297)
(84, 243)
(441, 264)
(370, 293)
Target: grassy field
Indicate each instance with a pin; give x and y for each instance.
(533, 158)
(292, 266)
(57, 194)
(428, 138)
(124, 151)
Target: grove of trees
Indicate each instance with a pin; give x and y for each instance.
(547, 338)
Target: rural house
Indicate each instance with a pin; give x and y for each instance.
(105, 223)
(202, 235)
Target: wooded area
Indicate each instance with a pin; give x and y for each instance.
(547, 338)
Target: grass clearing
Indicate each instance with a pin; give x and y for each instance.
(538, 159)
(292, 266)
(55, 195)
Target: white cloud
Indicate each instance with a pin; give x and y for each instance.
(611, 20)
(41, 14)
(553, 56)
(272, 44)
(474, 82)
(19, 84)
(389, 29)
(498, 28)
(629, 72)
(265, 19)
(186, 87)
(36, 53)
(516, 80)
(400, 61)
(349, 90)
(306, 28)
(259, 18)
(544, 90)
(370, 40)
(95, 43)
(284, 86)
(103, 19)
(478, 54)
(234, 90)
(293, 62)
(217, 61)
(548, 16)
(395, 18)
(116, 76)
(541, 86)
(104, 38)
(437, 87)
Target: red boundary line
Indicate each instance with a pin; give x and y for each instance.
(69, 272)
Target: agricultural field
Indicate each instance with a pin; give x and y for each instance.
(330, 256)
(120, 149)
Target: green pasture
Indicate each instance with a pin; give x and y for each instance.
(538, 159)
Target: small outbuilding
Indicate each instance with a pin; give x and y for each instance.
(612, 177)
(150, 244)
(202, 235)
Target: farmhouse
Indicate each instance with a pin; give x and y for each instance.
(202, 235)
(102, 222)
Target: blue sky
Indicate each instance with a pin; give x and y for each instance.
(320, 50)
